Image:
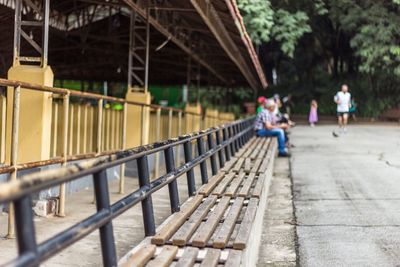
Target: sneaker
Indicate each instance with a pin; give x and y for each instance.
(283, 154)
(345, 130)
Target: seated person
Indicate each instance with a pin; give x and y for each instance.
(266, 125)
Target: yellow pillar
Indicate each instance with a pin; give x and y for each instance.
(211, 117)
(35, 114)
(193, 120)
(138, 118)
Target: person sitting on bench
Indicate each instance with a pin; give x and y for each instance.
(266, 125)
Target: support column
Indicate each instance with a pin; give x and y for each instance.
(35, 107)
(138, 118)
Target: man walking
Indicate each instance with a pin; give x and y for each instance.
(343, 101)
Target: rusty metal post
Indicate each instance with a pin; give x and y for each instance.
(64, 153)
(158, 133)
(123, 146)
(14, 157)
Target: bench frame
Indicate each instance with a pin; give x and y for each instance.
(19, 192)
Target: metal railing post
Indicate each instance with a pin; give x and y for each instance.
(213, 160)
(158, 133)
(203, 165)
(147, 203)
(64, 153)
(123, 146)
(14, 156)
(107, 242)
(25, 228)
(173, 186)
(228, 146)
(187, 148)
(220, 152)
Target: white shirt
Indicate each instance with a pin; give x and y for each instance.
(344, 101)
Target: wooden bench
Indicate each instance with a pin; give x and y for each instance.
(221, 224)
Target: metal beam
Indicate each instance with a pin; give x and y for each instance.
(174, 38)
(215, 24)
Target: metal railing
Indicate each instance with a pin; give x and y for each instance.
(223, 142)
(86, 129)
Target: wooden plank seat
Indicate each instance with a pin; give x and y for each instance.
(217, 226)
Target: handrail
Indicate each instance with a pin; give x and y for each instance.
(234, 136)
(64, 91)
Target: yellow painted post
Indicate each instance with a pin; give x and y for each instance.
(91, 129)
(85, 129)
(112, 126)
(158, 133)
(71, 130)
(178, 151)
(3, 129)
(14, 154)
(122, 170)
(78, 130)
(55, 128)
(64, 153)
(99, 125)
(35, 114)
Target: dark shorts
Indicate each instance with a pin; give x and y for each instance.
(340, 114)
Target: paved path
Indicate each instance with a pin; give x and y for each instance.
(278, 236)
(347, 195)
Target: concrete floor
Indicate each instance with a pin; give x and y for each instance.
(347, 195)
(277, 246)
(128, 228)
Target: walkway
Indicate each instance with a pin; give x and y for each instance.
(347, 195)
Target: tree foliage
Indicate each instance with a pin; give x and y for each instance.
(316, 45)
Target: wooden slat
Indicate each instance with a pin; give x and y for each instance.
(211, 258)
(177, 220)
(223, 184)
(182, 236)
(255, 152)
(259, 185)
(234, 185)
(165, 257)
(228, 165)
(140, 257)
(188, 257)
(244, 191)
(222, 238)
(205, 231)
(267, 144)
(247, 165)
(256, 165)
(265, 162)
(238, 165)
(234, 258)
(245, 226)
(212, 183)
